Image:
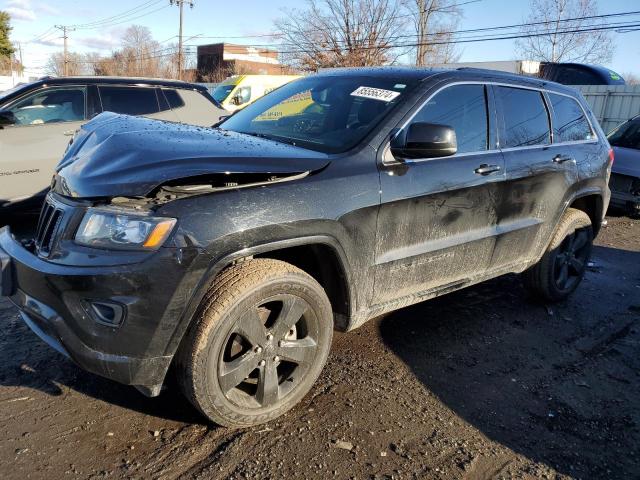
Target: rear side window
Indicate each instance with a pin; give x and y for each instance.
(569, 122)
(464, 108)
(526, 121)
(129, 100)
(173, 98)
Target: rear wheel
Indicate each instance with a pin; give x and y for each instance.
(258, 345)
(562, 267)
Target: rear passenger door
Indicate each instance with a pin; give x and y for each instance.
(538, 174)
(134, 100)
(437, 219)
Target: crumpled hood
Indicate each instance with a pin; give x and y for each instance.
(120, 155)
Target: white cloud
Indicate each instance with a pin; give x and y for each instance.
(20, 14)
(99, 42)
(47, 9)
(50, 42)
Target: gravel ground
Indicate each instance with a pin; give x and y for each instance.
(482, 383)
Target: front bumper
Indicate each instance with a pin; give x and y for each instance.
(54, 300)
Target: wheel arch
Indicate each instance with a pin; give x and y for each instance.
(341, 294)
(591, 203)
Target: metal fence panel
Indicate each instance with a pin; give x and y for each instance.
(612, 104)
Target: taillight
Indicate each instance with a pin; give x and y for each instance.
(611, 156)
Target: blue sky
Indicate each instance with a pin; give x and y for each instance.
(217, 18)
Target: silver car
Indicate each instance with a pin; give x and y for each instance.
(38, 119)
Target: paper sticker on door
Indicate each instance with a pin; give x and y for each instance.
(375, 93)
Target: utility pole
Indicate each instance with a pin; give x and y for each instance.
(180, 4)
(65, 29)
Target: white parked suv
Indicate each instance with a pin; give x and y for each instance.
(38, 119)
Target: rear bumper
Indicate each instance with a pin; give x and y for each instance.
(55, 302)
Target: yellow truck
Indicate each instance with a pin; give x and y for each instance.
(239, 91)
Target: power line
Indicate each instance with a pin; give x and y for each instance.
(454, 32)
(567, 31)
(120, 16)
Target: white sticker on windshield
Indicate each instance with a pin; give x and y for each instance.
(375, 93)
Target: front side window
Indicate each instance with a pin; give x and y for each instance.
(129, 100)
(329, 114)
(464, 108)
(51, 105)
(569, 122)
(526, 121)
(626, 135)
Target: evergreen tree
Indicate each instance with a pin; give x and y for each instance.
(6, 49)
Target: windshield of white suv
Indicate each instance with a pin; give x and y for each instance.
(324, 113)
(221, 92)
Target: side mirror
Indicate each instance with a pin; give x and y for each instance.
(7, 118)
(425, 140)
(237, 100)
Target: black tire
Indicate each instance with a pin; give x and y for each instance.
(243, 327)
(562, 267)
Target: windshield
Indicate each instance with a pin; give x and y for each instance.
(330, 114)
(626, 135)
(221, 92)
(6, 93)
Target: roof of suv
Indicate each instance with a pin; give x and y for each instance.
(419, 73)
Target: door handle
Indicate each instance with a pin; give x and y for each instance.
(68, 133)
(485, 169)
(562, 158)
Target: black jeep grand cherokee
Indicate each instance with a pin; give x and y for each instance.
(234, 252)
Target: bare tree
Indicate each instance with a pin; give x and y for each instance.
(76, 64)
(559, 39)
(432, 21)
(341, 33)
(631, 78)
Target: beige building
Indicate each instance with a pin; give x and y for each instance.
(220, 60)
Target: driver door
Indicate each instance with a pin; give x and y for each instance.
(437, 223)
(45, 121)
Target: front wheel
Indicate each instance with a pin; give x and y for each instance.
(562, 267)
(261, 339)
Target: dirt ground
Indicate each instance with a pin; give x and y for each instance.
(482, 383)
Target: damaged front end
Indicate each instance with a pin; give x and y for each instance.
(110, 271)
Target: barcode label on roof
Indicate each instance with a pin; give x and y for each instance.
(375, 93)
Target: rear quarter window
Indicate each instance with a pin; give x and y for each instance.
(525, 118)
(569, 121)
(174, 99)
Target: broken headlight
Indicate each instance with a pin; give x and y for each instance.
(102, 229)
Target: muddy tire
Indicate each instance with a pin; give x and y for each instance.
(259, 342)
(562, 267)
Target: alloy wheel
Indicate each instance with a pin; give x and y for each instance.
(571, 259)
(270, 348)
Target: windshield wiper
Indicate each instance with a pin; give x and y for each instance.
(275, 138)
